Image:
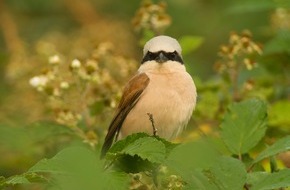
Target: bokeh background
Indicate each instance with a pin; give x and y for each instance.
(104, 38)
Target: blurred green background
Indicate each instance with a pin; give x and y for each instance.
(33, 30)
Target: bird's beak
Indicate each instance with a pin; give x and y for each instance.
(161, 58)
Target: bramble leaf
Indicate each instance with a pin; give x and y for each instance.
(147, 148)
(153, 149)
(192, 155)
(268, 181)
(77, 168)
(228, 173)
(138, 152)
(197, 180)
(121, 144)
(23, 179)
(281, 145)
(244, 125)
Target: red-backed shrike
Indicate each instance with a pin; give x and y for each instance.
(162, 88)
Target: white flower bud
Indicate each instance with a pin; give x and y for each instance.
(64, 85)
(38, 81)
(54, 60)
(75, 64)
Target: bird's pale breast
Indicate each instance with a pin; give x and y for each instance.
(170, 98)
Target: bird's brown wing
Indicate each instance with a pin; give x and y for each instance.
(131, 96)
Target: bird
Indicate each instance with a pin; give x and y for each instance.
(161, 91)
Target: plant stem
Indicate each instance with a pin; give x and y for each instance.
(152, 123)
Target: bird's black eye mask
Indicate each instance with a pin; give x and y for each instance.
(162, 56)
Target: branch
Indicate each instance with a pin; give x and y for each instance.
(152, 123)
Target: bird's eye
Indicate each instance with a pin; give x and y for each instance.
(172, 55)
(151, 55)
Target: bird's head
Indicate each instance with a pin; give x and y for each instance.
(162, 49)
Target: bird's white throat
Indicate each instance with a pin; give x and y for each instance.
(167, 67)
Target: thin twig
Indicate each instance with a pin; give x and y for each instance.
(152, 123)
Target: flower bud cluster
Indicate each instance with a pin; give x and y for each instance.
(175, 183)
(49, 81)
(67, 117)
(83, 89)
(152, 17)
(240, 51)
(238, 56)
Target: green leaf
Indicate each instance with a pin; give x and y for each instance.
(17, 179)
(79, 168)
(121, 144)
(228, 173)
(153, 149)
(199, 181)
(268, 181)
(147, 148)
(116, 180)
(47, 165)
(188, 159)
(193, 155)
(190, 43)
(255, 177)
(244, 125)
(138, 152)
(24, 179)
(281, 145)
(225, 173)
(169, 146)
(64, 161)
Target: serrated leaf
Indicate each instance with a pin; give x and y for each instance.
(17, 179)
(281, 145)
(24, 179)
(169, 146)
(244, 125)
(228, 173)
(268, 181)
(190, 43)
(138, 152)
(120, 147)
(46, 165)
(121, 144)
(64, 161)
(147, 148)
